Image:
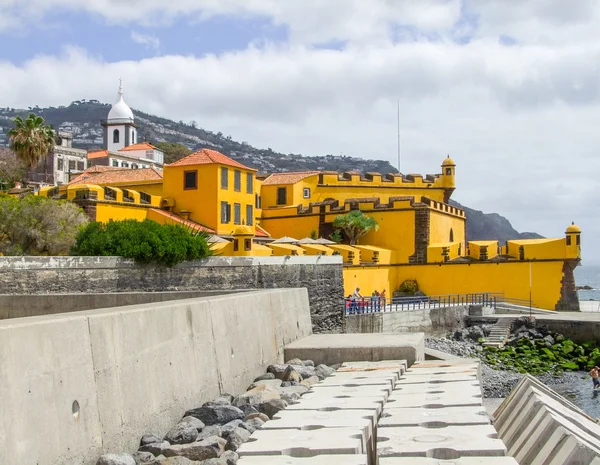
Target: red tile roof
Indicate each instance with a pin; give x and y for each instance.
(97, 154)
(93, 171)
(180, 220)
(207, 157)
(140, 146)
(260, 232)
(288, 178)
(120, 176)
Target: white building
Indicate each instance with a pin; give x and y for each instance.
(121, 146)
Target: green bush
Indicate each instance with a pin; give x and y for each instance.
(410, 286)
(38, 226)
(144, 241)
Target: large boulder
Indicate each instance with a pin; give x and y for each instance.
(308, 363)
(262, 416)
(309, 382)
(116, 459)
(155, 448)
(290, 374)
(323, 371)
(208, 448)
(235, 438)
(216, 414)
(295, 361)
(272, 407)
(230, 457)
(248, 409)
(149, 439)
(180, 461)
(207, 432)
(265, 382)
(185, 431)
(145, 458)
(279, 370)
(264, 377)
(258, 395)
(255, 423)
(223, 399)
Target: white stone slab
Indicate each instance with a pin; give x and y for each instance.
(470, 387)
(412, 378)
(424, 400)
(450, 416)
(369, 377)
(440, 443)
(398, 366)
(460, 461)
(332, 404)
(349, 390)
(318, 460)
(469, 369)
(364, 420)
(298, 443)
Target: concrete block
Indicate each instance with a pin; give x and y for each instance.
(447, 443)
(350, 390)
(460, 461)
(346, 403)
(399, 366)
(411, 378)
(318, 460)
(332, 349)
(298, 443)
(340, 378)
(467, 387)
(398, 399)
(438, 417)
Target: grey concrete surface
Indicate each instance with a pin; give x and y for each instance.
(74, 386)
(459, 461)
(334, 349)
(318, 460)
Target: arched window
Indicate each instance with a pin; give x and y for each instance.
(451, 235)
(116, 136)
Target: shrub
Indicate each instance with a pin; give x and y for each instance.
(38, 226)
(410, 286)
(144, 241)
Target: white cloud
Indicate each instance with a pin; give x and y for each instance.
(149, 41)
(520, 121)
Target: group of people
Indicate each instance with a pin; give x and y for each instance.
(356, 303)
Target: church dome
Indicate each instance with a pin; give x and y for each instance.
(573, 228)
(120, 110)
(448, 162)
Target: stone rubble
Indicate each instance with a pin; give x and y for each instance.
(212, 433)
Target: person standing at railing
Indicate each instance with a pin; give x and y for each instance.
(355, 296)
(382, 299)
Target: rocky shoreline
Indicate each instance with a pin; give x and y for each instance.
(212, 433)
(496, 383)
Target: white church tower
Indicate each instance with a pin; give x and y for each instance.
(120, 130)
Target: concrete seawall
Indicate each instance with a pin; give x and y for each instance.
(321, 275)
(429, 320)
(74, 386)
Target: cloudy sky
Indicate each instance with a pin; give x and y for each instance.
(509, 88)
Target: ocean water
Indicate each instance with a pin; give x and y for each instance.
(588, 276)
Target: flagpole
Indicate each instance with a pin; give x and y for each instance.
(398, 120)
(530, 283)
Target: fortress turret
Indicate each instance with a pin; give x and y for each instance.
(573, 235)
(448, 177)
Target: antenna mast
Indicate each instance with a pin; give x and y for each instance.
(398, 120)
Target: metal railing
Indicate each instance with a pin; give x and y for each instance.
(353, 306)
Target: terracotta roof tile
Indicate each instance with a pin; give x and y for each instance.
(180, 220)
(288, 178)
(93, 171)
(140, 146)
(121, 176)
(97, 154)
(260, 232)
(207, 157)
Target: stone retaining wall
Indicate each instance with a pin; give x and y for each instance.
(321, 275)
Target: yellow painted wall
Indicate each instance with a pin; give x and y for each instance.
(110, 211)
(440, 225)
(203, 203)
(298, 227)
(232, 197)
(538, 248)
(510, 278)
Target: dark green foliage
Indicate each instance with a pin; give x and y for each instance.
(409, 287)
(173, 151)
(38, 226)
(533, 356)
(144, 241)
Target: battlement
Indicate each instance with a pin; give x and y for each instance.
(374, 179)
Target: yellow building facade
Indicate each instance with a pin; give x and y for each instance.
(420, 235)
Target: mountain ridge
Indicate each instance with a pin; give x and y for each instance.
(82, 118)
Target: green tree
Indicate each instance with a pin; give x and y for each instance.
(31, 139)
(355, 225)
(144, 241)
(38, 225)
(173, 151)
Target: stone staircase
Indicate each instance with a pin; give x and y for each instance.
(499, 333)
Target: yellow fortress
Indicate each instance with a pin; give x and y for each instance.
(421, 237)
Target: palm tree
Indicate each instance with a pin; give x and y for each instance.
(355, 225)
(31, 139)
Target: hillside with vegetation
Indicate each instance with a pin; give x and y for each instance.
(177, 139)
